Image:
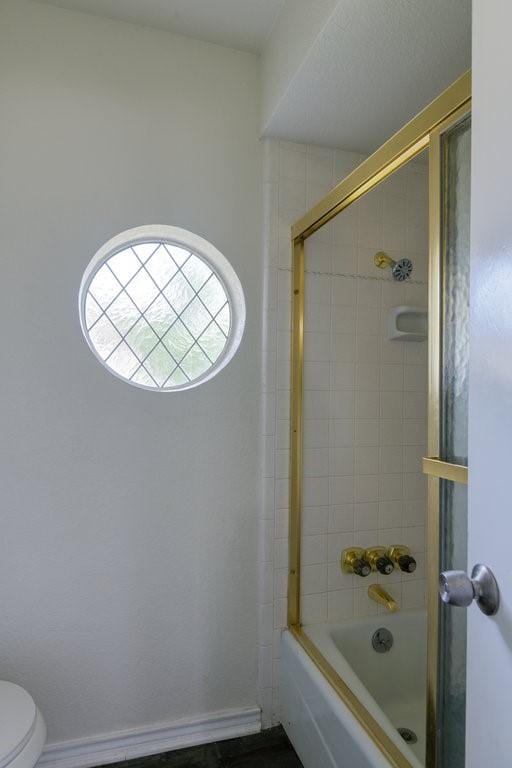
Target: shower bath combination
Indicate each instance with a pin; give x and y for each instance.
(404, 708)
(401, 269)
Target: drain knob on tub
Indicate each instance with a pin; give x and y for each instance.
(353, 560)
(401, 555)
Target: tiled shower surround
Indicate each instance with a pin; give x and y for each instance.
(364, 395)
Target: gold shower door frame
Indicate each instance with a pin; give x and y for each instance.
(422, 132)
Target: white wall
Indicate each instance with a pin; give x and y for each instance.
(128, 547)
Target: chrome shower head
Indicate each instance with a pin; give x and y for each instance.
(401, 270)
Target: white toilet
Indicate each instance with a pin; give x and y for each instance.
(22, 728)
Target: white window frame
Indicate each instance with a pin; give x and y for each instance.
(197, 245)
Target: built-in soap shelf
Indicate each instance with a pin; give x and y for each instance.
(408, 323)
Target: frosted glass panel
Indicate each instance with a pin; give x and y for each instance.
(454, 437)
(452, 645)
(454, 398)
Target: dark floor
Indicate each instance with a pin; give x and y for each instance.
(268, 749)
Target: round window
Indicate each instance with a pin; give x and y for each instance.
(161, 308)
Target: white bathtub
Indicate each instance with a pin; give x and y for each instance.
(391, 685)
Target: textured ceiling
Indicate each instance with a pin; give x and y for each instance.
(242, 24)
(372, 68)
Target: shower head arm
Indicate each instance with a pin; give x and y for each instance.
(382, 260)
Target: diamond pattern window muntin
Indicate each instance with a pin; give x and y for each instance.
(157, 313)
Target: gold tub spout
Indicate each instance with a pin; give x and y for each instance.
(379, 594)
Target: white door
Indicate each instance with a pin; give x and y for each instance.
(489, 652)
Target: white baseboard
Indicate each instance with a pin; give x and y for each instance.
(150, 740)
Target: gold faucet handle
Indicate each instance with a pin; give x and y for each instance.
(379, 560)
(353, 560)
(400, 554)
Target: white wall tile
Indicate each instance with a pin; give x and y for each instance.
(367, 404)
(316, 433)
(414, 512)
(343, 376)
(314, 579)
(390, 459)
(317, 347)
(391, 431)
(343, 348)
(366, 488)
(390, 487)
(368, 293)
(292, 195)
(413, 594)
(316, 462)
(315, 521)
(340, 605)
(344, 291)
(314, 608)
(317, 289)
(390, 406)
(367, 348)
(281, 523)
(282, 459)
(344, 259)
(368, 320)
(342, 404)
(366, 516)
(415, 379)
(345, 226)
(292, 165)
(394, 223)
(341, 490)
(341, 433)
(318, 255)
(316, 404)
(336, 543)
(366, 460)
(317, 317)
(367, 432)
(320, 170)
(415, 486)
(315, 491)
(368, 376)
(341, 518)
(369, 221)
(391, 351)
(336, 579)
(391, 378)
(341, 460)
(314, 549)
(317, 375)
(343, 318)
(363, 605)
(390, 514)
(414, 431)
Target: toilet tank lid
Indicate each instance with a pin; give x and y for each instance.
(17, 720)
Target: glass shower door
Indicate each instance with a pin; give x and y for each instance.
(455, 168)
